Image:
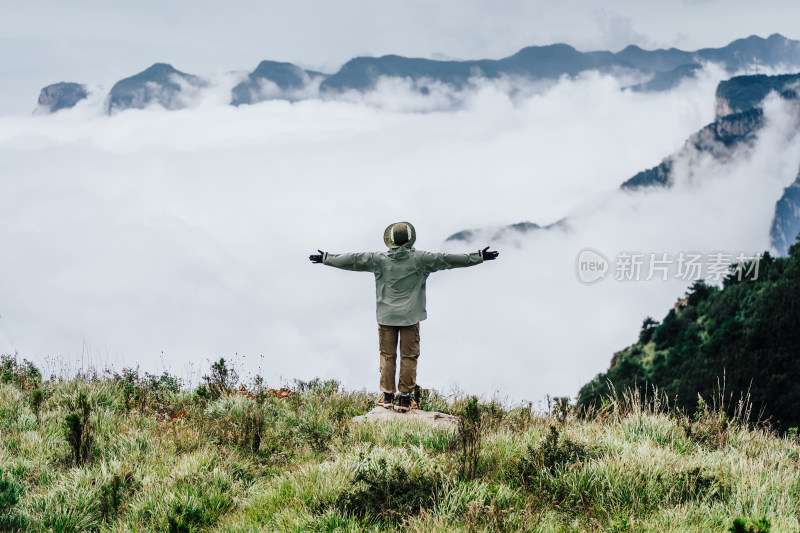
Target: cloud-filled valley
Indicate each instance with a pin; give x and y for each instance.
(171, 238)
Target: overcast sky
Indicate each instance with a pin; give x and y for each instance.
(169, 239)
(102, 41)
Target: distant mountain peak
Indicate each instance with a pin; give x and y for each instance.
(544, 48)
(161, 84)
(285, 77)
(63, 95)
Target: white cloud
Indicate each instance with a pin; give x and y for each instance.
(169, 238)
(617, 31)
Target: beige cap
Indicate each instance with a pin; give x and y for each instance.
(399, 230)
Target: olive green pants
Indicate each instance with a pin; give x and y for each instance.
(409, 352)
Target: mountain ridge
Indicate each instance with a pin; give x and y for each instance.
(656, 70)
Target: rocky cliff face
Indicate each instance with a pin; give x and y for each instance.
(739, 120)
(786, 223)
(160, 84)
(741, 93)
(61, 96)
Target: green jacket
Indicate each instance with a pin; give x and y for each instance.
(400, 276)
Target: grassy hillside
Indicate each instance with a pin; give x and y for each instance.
(137, 453)
(743, 337)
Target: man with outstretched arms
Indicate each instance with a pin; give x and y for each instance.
(400, 275)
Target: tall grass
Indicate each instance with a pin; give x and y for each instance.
(131, 452)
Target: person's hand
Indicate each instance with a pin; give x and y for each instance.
(488, 255)
(314, 258)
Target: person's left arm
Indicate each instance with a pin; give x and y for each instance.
(442, 261)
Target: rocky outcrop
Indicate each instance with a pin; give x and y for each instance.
(719, 139)
(742, 93)
(658, 176)
(62, 95)
(380, 414)
(160, 84)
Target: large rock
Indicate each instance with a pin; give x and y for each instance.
(380, 414)
(62, 95)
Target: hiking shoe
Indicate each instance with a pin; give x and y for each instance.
(387, 401)
(406, 403)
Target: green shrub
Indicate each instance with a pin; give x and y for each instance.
(741, 526)
(559, 408)
(110, 497)
(553, 452)
(24, 375)
(708, 427)
(327, 387)
(316, 430)
(520, 418)
(252, 428)
(468, 438)
(185, 517)
(78, 430)
(221, 380)
(9, 497)
(388, 493)
(430, 400)
(37, 398)
(147, 392)
(695, 485)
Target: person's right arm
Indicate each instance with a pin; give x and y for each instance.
(360, 261)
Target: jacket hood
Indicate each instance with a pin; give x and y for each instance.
(401, 252)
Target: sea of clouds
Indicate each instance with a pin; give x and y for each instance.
(168, 239)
